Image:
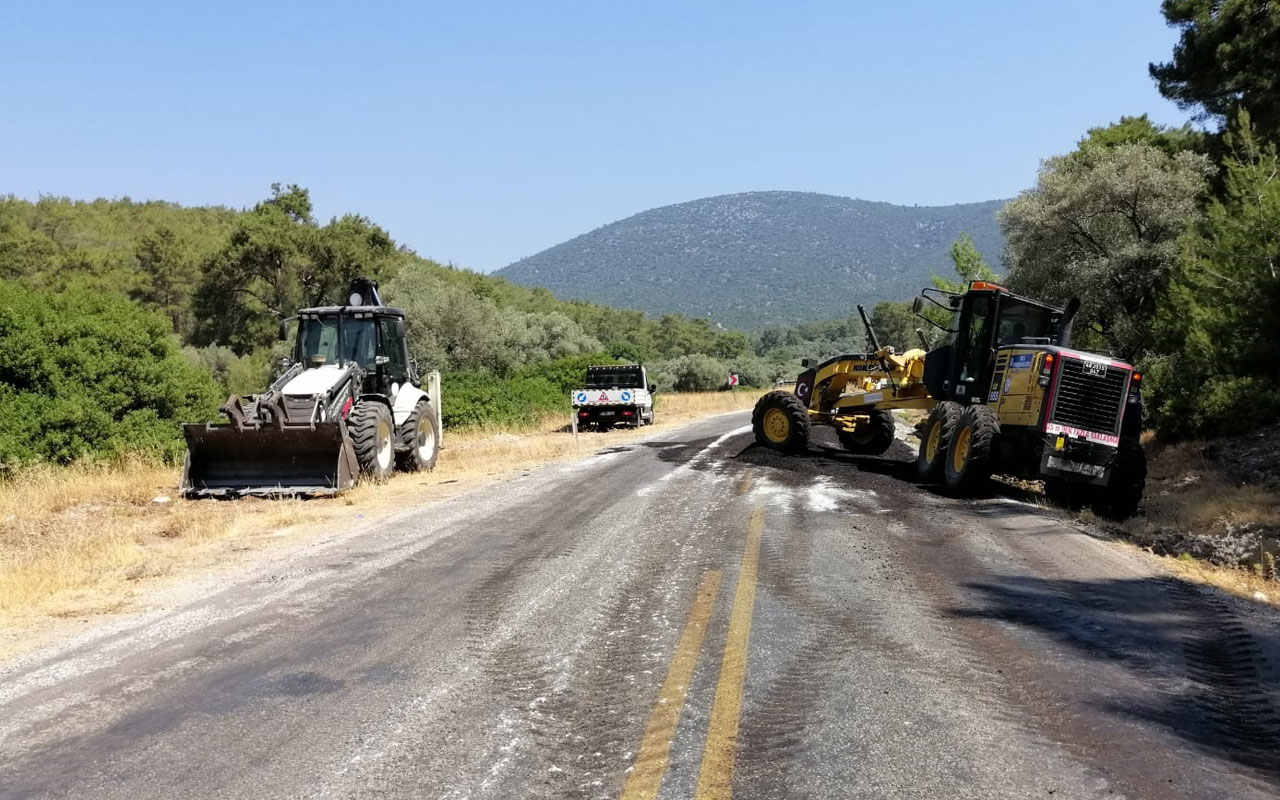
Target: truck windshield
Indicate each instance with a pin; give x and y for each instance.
(619, 378)
(318, 342)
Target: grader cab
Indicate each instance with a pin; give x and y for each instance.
(1006, 394)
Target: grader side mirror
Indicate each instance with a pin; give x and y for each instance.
(917, 305)
(400, 329)
(284, 331)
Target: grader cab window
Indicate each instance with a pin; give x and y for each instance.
(1022, 320)
(973, 345)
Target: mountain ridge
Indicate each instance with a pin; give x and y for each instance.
(758, 258)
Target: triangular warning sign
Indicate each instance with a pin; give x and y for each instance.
(604, 397)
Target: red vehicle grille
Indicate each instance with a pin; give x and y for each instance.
(1090, 396)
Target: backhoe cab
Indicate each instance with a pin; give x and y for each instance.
(1005, 393)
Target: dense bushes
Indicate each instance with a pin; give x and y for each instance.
(473, 398)
(452, 328)
(83, 373)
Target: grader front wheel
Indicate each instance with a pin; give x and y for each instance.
(870, 438)
(781, 422)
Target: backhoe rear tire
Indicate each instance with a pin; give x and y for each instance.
(935, 439)
(781, 422)
(968, 463)
(419, 439)
(871, 438)
(373, 433)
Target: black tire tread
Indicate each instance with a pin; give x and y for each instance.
(947, 414)
(795, 410)
(1122, 496)
(984, 427)
(406, 455)
(362, 424)
(883, 429)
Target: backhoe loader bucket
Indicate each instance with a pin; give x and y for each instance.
(228, 460)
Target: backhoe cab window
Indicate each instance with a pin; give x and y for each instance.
(320, 341)
(393, 348)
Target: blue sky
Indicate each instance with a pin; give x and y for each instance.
(480, 132)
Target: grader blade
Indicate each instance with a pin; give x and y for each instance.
(229, 460)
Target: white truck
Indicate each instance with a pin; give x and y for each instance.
(618, 394)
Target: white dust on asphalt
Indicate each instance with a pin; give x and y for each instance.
(819, 496)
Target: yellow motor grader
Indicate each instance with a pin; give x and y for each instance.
(1006, 394)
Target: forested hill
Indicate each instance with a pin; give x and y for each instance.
(759, 258)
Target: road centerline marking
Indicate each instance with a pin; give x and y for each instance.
(655, 748)
(715, 778)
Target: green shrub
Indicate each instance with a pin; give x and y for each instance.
(474, 399)
(690, 373)
(85, 373)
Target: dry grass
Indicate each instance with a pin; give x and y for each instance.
(89, 539)
(1211, 524)
(1241, 582)
(77, 540)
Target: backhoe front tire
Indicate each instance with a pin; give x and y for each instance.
(780, 422)
(419, 439)
(871, 438)
(935, 439)
(967, 465)
(373, 433)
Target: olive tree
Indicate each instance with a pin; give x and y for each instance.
(1103, 224)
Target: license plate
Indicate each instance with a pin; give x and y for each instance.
(1095, 368)
(608, 413)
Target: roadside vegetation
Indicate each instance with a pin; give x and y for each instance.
(120, 319)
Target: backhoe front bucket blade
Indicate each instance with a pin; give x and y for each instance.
(226, 461)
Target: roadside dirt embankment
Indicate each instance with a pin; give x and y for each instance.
(93, 538)
(1213, 508)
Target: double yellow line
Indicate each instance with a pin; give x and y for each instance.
(715, 779)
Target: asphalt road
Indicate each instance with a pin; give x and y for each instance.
(687, 616)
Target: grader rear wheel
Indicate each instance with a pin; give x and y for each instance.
(968, 462)
(781, 422)
(935, 440)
